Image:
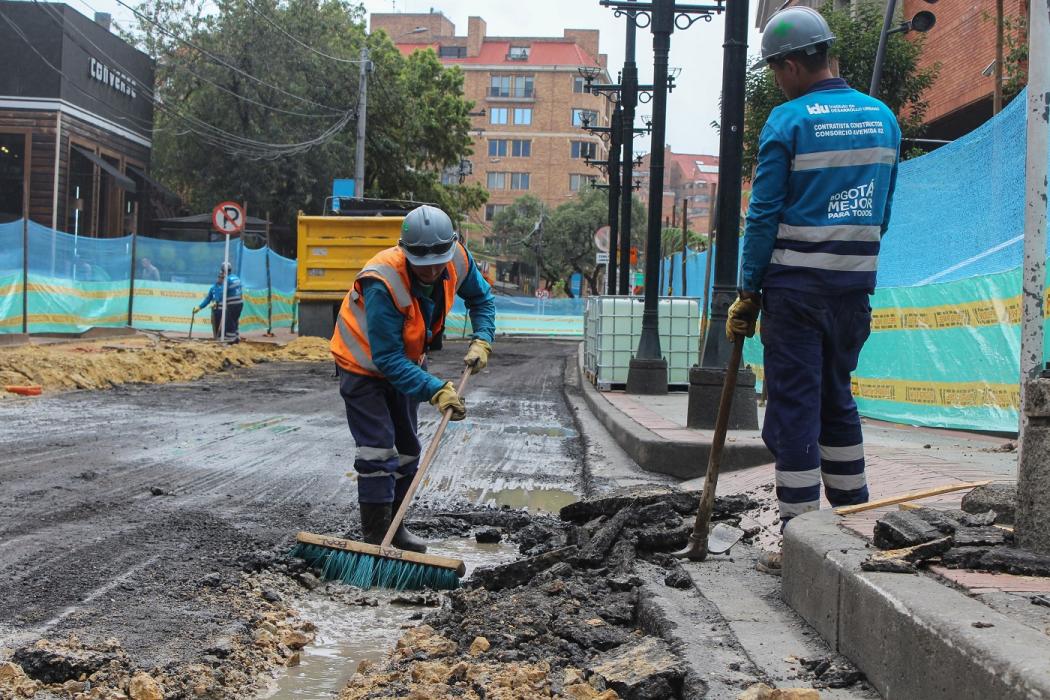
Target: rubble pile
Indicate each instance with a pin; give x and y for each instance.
(140, 361)
(976, 537)
(269, 636)
(562, 621)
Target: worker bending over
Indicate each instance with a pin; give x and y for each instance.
(820, 203)
(234, 304)
(392, 316)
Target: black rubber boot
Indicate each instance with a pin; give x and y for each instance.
(403, 539)
(375, 519)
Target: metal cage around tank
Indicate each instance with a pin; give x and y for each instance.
(613, 325)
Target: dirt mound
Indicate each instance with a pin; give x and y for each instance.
(140, 361)
(562, 622)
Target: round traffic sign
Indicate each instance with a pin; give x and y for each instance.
(601, 239)
(543, 294)
(228, 218)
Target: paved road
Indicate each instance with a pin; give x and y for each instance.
(245, 459)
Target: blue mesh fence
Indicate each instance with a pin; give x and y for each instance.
(76, 282)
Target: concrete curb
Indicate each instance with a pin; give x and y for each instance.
(684, 460)
(912, 636)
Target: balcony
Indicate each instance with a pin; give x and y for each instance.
(499, 95)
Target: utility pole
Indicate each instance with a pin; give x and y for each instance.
(1033, 480)
(685, 243)
(362, 116)
(628, 101)
(997, 93)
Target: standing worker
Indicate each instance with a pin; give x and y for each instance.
(820, 203)
(394, 314)
(234, 304)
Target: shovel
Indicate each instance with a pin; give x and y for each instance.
(704, 539)
(193, 317)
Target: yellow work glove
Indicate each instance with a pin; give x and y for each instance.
(447, 397)
(742, 316)
(477, 356)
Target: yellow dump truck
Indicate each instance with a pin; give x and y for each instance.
(332, 250)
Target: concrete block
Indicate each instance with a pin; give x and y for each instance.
(1000, 497)
(705, 395)
(915, 638)
(816, 554)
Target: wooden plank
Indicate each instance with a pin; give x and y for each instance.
(913, 496)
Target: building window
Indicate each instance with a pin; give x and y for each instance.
(519, 181)
(521, 148)
(583, 149)
(450, 177)
(498, 115)
(497, 148)
(452, 52)
(579, 85)
(576, 182)
(497, 181)
(81, 186)
(523, 115)
(499, 86)
(12, 176)
(518, 53)
(523, 86)
(579, 116)
(491, 210)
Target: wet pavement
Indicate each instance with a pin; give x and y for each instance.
(114, 504)
(134, 514)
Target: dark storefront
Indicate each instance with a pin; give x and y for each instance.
(70, 81)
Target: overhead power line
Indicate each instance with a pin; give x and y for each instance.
(212, 57)
(296, 40)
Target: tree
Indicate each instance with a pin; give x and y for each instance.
(559, 242)
(257, 101)
(857, 31)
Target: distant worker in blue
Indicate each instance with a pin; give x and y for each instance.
(391, 318)
(234, 304)
(820, 203)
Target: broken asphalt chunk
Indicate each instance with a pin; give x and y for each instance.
(641, 670)
(519, 572)
(903, 529)
(1000, 497)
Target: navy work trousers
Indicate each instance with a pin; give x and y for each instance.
(811, 345)
(233, 319)
(383, 422)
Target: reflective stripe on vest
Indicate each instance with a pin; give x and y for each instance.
(825, 261)
(844, 158)
(361, 356)
(820, 234)
(461, 265)
(390, 275)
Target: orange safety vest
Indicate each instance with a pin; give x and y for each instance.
(349, 343)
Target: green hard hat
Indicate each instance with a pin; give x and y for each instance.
(427, 237)
(794, 29)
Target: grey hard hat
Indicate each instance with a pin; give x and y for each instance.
(225, 267)
(794, 29)
(427, 237)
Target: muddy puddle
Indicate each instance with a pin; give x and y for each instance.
(535, 500)
(348, 635)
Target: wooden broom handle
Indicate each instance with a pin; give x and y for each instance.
(424, 465)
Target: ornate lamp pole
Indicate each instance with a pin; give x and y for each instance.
(648, 369)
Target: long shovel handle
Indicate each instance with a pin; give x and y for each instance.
(424, 465)
(702, 527)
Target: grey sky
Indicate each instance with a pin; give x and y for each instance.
(697, 51)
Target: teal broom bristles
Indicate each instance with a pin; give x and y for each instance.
(367, 571)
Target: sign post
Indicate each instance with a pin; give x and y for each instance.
(227, 218)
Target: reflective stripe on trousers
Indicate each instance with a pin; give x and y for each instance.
(811, 344)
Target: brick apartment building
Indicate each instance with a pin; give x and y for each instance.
(688, 177)
(529, 103)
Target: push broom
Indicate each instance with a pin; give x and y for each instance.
(383, 565)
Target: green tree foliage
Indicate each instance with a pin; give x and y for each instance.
(857, 31)
(301, 49)
(559, 242)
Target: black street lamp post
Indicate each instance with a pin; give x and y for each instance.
(629, 100)
(615, 193)
(647, 373)
(705, 382)
(923, 21)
